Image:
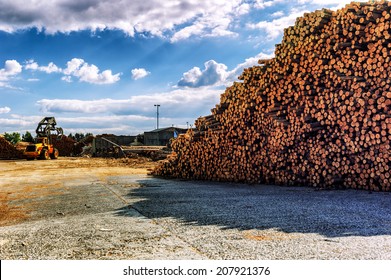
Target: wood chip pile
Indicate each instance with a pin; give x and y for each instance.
(317, 114)
(8, 151)
(65, 145)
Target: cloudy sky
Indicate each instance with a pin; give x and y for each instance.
(100, 65)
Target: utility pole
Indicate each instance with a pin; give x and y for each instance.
(157, 115)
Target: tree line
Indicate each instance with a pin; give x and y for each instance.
(16, 137)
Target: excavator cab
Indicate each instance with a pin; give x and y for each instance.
(42, 140)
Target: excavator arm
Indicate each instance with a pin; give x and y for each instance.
(47, 127)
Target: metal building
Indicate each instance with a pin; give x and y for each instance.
(161, 136)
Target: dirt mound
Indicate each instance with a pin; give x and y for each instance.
(8, 151)
(66, 146)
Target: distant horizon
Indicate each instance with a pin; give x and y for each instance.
(33, 134)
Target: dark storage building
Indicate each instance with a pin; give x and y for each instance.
(161, 136)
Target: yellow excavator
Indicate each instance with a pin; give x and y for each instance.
(42, 148)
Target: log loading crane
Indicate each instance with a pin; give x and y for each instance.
(43, 148)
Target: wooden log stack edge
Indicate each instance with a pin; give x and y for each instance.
(317, 114)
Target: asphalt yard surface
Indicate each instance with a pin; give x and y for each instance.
(95, 209)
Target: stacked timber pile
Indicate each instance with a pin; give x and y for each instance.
(317, 114)
(65, 145)
(8, 151)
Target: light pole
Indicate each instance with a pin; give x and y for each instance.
(157, 115)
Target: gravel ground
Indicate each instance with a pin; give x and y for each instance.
(140, 217)
(235, 221)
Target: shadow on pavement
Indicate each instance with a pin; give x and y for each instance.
(333, 213)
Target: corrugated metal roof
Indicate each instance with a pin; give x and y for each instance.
(166, 128)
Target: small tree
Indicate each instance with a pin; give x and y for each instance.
(27, 137)
(13, 137)
(79, 136)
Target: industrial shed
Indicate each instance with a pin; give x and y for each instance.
(106, 143)
(161, 136)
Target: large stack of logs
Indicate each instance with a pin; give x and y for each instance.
(317, 114)
(8, 151)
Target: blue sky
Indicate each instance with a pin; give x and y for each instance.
(100, 65)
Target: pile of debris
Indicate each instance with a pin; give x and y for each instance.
(8, 151)
(65, 146)
(317, 114)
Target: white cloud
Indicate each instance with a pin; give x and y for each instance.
(216, 74)
(335, 4)
(328, 2)
(5, 110)
(195, 29)
(215, 21)
(176, 20)
(243, 9)
(31, 65)
(249, 62)
(13, 123)
(85, 72)
(99, 124)
(80, 106)
(261, 4)
(120, 116)
(213, 74)
(11, 69)
(156, 17)
(276, 27)
(120, 125)
(67, 79)
(73, 65)
(139, 73)
(277, 14)
(50, 68)
(79, 69)
(179, 102)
